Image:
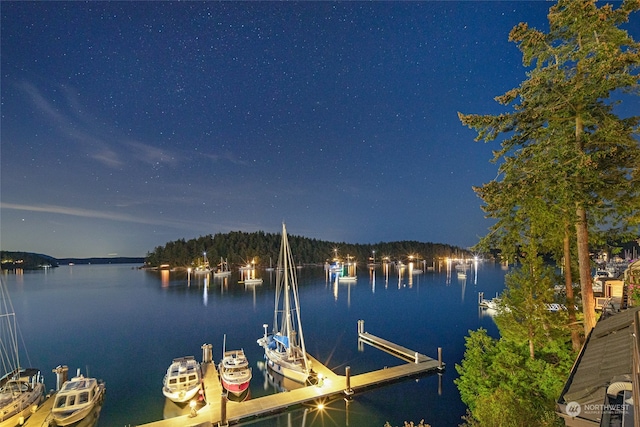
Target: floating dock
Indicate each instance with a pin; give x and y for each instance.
(219, 411)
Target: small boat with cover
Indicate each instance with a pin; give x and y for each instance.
(235, 372)
(183, 379)
(76, 399)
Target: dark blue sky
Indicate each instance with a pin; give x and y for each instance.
(129, 124)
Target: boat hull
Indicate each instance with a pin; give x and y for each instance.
(293, 370)
(235, 388)
(288, 372)
(181, 396)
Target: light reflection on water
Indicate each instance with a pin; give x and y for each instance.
(126, 325)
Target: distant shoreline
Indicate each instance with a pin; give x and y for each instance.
(104, 260)
(12, 260)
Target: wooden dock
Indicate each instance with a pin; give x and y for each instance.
(394, 349)
(41, 417)
(218, 411)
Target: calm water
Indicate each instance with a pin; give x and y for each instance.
(125, 325)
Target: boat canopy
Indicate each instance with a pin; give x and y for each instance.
(282, 340)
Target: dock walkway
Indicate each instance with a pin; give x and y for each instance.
(220, 411)
(394, 349)
(41, 418)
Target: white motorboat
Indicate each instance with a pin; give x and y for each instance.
(248, 275)
(284, 349)
(76, 399)
(183, 379)
(21, 389)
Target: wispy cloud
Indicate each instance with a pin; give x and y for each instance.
(101, 142)
(226, 156)
(88, 213)
(152, 155)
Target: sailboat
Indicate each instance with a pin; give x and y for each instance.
(348, 272)
(21, 389)
(284, 349)
(223, 269)
(203, 268)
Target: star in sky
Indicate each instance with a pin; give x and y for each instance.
(126, 125)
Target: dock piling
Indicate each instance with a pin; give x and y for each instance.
(347, 372)
(223, 411)
(61, 372)
(440, 358)
(207, 353)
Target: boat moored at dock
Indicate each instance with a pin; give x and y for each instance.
(183, 379)
(235, 372)
(21, 390)
(284, 349)
(76, 399)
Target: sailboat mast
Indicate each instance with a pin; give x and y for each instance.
(9, 352)
(288, 326)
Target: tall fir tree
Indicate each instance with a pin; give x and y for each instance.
(564, 130)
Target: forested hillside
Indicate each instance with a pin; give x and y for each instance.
(26, 260)
(240, 248)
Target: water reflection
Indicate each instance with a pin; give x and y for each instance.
(92, 417)
(372, 279)
(164, 278)
(274, 382)
(205, 296)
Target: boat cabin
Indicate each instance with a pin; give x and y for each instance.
(183, 374)
(76, 393)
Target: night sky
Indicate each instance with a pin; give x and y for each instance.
(126, 125)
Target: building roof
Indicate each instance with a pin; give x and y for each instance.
(606, 357)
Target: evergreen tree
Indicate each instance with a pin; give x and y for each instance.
(564, 130)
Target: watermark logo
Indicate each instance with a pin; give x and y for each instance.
(573, 409)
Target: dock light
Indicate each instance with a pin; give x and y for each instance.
(192, 405)
(320, 406)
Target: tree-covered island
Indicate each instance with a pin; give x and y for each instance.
(240, 248)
